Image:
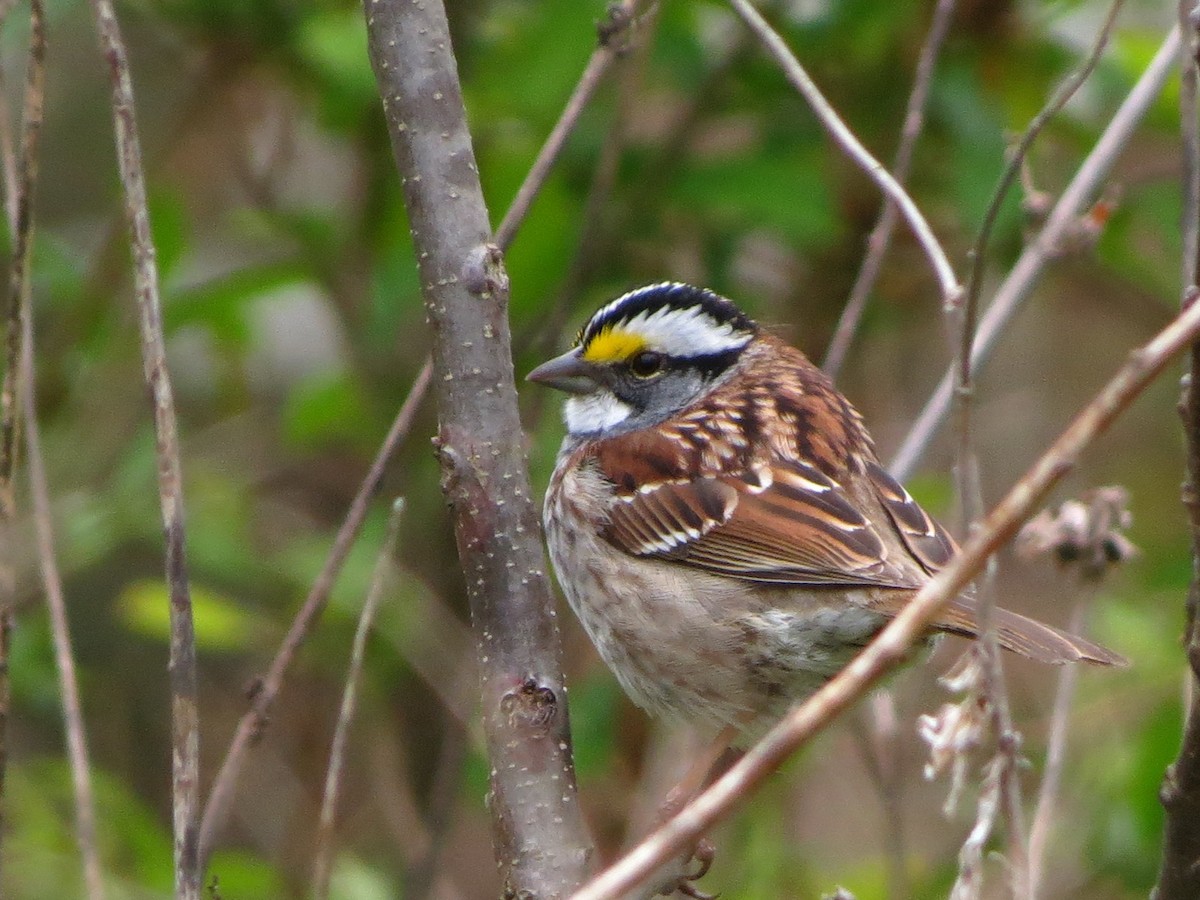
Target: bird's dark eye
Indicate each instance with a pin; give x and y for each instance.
(646, 364)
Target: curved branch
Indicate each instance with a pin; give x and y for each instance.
(828, 117)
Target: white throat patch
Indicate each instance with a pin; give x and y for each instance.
(593, 412)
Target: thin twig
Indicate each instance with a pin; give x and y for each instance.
(1033, 260)
(892, 644)
(64, 660)
(979, 251)
(254, 720)
(1178, 875)
(613, 33)
(77, 753)
(595, 242)
(185, 725)
(539, 838)
(828, 117)
(881, 235)
(1056, 747)
(1007, 767)
(20, 194)
(323, 856)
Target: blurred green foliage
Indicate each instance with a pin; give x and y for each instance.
(295, 329)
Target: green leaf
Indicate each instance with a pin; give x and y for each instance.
(324, 409)
(220, 623)
(169, 227)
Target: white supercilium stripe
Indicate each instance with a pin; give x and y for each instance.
(678, 332)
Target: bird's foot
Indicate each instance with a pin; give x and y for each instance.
(704, 854)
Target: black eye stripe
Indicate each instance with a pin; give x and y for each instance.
(709, 365)
(713, 364)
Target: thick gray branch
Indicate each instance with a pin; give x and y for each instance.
(540, 841)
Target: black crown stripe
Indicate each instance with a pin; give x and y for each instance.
(670, 295)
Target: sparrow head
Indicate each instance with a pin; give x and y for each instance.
(645, 356)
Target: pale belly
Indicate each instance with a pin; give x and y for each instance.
(700, 647)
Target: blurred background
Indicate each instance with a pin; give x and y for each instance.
(295, 329)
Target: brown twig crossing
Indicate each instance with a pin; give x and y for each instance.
(831, 122)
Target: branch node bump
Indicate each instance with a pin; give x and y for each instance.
(614, 30)
(532, 706)
(483, 273)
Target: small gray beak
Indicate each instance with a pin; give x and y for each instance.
(568, 372)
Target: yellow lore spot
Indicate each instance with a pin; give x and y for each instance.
(613, 345)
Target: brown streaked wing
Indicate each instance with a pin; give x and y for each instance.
(670, 516)
(784, 524)
(928, 542)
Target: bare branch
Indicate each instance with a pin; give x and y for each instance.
(21, 224)
(64, 660)
(881, 235)
(1028, 268)
(1003, 775)
(19, 197)
(1056, 752)
(323, 857)
(979, 251)
(254, 720)
(1178, 874)
(540, 841)
(185, 725)
(613, 32)
(892, 644)
(828, 117)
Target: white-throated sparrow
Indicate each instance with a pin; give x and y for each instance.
(718, 518)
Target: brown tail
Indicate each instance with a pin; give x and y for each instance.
(1029, 637)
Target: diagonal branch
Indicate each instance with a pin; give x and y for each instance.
(838, 130)
(619, 20)
(185, 725)
(254, 720)
(892, 644)
(979, 251)
(539, 838)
